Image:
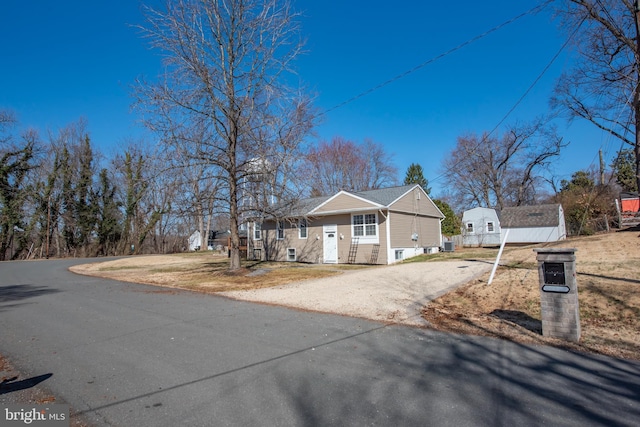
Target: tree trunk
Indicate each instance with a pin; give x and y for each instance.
(636, 149)
(207, 232)
(200, 216)
(234, 261)
(636, 96)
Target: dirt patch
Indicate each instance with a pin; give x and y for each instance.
(608, 267)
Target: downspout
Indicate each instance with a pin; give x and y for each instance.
(387, 227)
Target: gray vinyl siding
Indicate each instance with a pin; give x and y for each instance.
(411, 204)
(311, 249)
(307, 250)
(365, 251)
(344, 202)
(403, 225)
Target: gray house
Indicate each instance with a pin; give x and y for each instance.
(381, 226)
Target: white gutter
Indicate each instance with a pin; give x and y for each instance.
(388, 228)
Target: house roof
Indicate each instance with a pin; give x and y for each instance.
(304, 206)
(628, 195)
(530, 216)
(383, 197)
(479, 213)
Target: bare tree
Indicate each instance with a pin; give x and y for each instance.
(602, 87)
(498, 172)
(7, 120)
(145, 193)
(345, 165)
(195, 201)
(225, 65)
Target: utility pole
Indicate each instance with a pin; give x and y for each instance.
(602, 166)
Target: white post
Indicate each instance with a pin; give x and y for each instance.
(495, 265)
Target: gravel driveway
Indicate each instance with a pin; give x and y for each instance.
(389, 293)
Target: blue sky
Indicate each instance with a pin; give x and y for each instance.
(70, 59)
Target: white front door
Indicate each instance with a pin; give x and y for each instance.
(330, 244)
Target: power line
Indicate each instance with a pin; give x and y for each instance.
(436, 58)
(519, 101)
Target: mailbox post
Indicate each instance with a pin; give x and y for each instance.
(559, 293)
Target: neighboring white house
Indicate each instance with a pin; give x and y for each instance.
(526, 224)
(481, 227)
(195, 241)
(534, 224)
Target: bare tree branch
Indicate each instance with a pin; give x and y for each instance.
(500, 172)
(603, 85)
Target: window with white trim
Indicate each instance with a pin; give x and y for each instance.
(365, 226)
(469, 226)
(491, 227)
(279, 230)
(291, 254)
(257, 231)
(302, 228)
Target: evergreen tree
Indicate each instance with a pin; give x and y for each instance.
(85, 198)
(584, 202)
(79, 201)
(415, 175)
(15, 164)
(624, 169)
(131, 168)
(451, 224)
(580, 181)
(109, 227)
(47, 203)
(67, 205)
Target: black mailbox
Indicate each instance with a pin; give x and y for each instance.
(554, 273)
(554, 278)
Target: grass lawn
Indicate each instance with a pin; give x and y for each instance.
(608, 277)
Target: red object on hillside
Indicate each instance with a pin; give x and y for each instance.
(629, 202)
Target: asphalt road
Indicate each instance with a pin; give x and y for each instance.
(133, 355)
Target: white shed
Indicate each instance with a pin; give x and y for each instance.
(481, 227)
(534, 224)
(195, 241)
